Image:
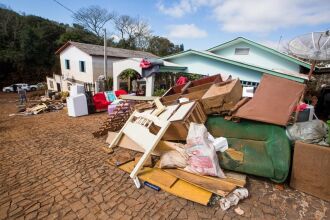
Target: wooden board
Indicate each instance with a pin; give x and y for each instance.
(180, 188)
(182, 111)
(218, 187)
(138, 98)
(164, 179)
(126, 142)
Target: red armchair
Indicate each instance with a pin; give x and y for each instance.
(100, 102)
(120, 92)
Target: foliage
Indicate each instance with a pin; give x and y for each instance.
(159, 92)
(190, 76)
(93, 18)
(128, 73)
(162, 46)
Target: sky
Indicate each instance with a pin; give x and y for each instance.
(202, 24)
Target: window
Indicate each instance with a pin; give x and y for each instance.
(82, 66)
(242, 51)
(67, 64)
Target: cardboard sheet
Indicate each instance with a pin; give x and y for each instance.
(310, 170)
(274, 101)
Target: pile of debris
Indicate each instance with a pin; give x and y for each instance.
(198, 129)
(40, 106)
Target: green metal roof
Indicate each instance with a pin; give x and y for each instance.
(263, 47)
(210, 55)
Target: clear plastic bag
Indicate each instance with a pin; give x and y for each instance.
(314, 131)
(203, 158)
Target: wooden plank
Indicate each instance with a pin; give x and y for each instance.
(165, 115)
(126, 142)
(218, 187)
(138, 98)
(182, 111)
(164, 179)
(180, 188)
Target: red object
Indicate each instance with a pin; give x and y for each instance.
(120, 92)
(144, 64)
(301, 107)
(100, 102)
(182, 80)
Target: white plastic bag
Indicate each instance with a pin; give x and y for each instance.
(233, 198)
(203, 158)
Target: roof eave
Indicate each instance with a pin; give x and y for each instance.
(292, 59)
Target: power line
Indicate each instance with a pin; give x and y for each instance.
(64, 6)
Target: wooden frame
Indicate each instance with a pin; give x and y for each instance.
(137, 128)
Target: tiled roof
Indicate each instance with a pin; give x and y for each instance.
(97, 50)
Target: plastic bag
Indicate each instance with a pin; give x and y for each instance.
(233, 198)
(203, 158)
(314, 131)
(220, 143)
(174, 158)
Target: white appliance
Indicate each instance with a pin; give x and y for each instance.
(77, 105)
(77, 89)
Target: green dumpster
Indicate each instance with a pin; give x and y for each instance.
(265, 147)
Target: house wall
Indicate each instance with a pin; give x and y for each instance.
(257, 57)
(207, 66)
(75, 55)
(98, 63)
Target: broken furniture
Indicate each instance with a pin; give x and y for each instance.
(310, 169)
(273, 102)
(193, 90)
(138, 128)
(100, 102)
(180, 116)
(222, 96)
(262, 149)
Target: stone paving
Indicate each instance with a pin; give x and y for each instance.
(51, 167)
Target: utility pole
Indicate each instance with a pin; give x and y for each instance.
(105, 54)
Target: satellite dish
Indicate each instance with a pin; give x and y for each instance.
(313, 46)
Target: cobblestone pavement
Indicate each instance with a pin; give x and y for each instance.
(52, 168)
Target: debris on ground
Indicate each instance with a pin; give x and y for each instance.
(184, 157)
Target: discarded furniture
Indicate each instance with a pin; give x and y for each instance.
(193, 90)
(222, 96)
(138, 128)
(273, 102)
(100, 102)
(265, 148)
(180, 116)
(310, 170)
(77, 105)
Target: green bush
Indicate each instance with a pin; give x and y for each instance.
(159, 92)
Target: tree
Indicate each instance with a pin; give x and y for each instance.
(93, 18)
(162, 46)
(79, 34)
(134, 32)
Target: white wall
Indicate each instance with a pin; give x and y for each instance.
(75, 55)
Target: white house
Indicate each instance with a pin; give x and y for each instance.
(83, 63)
